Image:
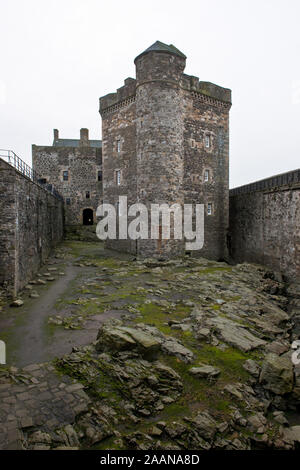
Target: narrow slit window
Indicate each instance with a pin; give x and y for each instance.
(99, 175)
(207, 141)
(209, 209)
(87, 195)
(118, 177)
(68, 201)
(65, 175)
(206, 175)
(118, 146)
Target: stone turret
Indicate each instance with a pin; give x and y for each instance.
(159, 136)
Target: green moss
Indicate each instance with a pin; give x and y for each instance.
(216, 307)
(175, 411)
(230, 361)
(48, 329)
(109, 443)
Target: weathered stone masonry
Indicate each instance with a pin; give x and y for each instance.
(74, 166)
(265, 223)
(167, 133)
(31, 224)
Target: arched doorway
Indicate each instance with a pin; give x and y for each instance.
(87, 217)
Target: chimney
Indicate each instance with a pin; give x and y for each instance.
(84, 136)
(55, 134)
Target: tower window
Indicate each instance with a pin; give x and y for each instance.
(99, 175)
(206, 175)
(118, 177)
(68, 201)
(118, 146)
(87, 195)
(65, 175)
(209, 209)
(207, 141)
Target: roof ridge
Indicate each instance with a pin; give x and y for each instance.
(159, 46)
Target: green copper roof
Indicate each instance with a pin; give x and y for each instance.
(161, 47)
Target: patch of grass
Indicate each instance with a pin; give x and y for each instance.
(177, 410)
(216, 307)
(49, 329)
(109, 443)
(230, 361)
(198, 393)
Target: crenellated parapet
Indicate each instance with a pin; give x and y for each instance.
(206, 91)
(123, 96)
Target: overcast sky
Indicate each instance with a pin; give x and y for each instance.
(59, 56)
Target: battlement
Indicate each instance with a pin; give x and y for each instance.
(124, 93)
(191, 83)
(162, 62)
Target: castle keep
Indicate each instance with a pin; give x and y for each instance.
(165, 140)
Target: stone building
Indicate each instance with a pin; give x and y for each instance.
(74, 166)
(165, 139)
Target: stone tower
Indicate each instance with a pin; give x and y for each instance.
(159, 137)
(166, 140)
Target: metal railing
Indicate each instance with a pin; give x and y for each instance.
(16, 162)
(284, 179)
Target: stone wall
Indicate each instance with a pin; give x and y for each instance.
(31, 224)
(119, 153)
(206, 167)
(265, 223)
(8, 218)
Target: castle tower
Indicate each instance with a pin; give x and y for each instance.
(159, 134)
(166, 141)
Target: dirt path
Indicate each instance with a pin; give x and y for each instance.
(26, 331)
(33, 344)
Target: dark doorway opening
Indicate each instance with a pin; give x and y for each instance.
(87, 217)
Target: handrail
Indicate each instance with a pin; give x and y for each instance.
(16, 162)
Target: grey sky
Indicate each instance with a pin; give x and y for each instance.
(59, 57)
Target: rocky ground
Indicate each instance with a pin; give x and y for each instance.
(185, 354)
